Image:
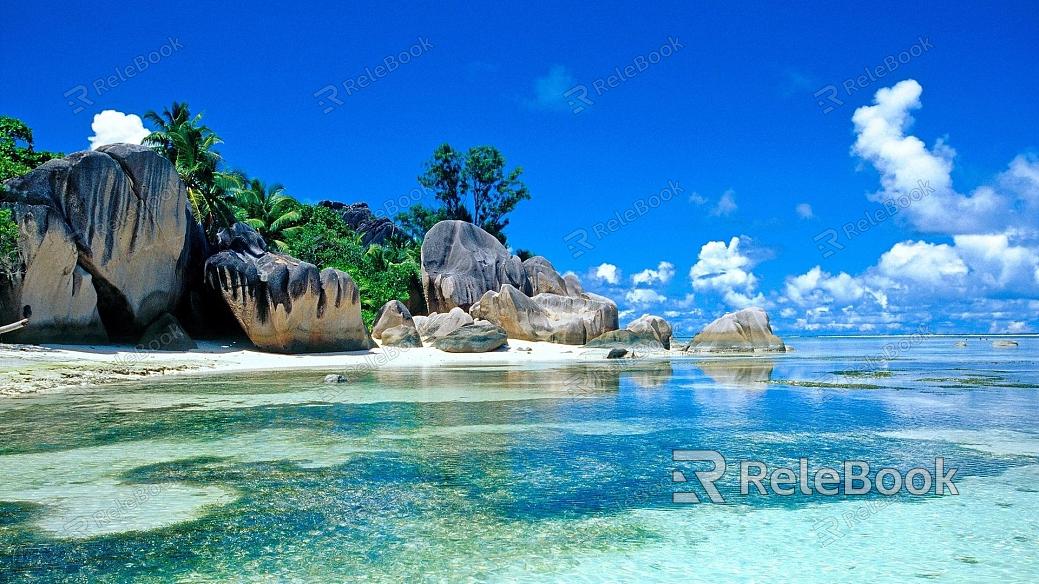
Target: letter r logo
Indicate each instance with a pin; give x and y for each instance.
(705, 477)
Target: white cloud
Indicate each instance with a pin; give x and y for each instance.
(608, 273)
(697, 199)
(724, 270)
(804, 211)
(905, 163)
(923, 263)
(644, 297)
(550, 89)
(816, 287)
(662, 275)
(726, 205)
(113, 127)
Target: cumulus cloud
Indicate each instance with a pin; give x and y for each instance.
(697, 199)
(550, 89)
(644, 297)
(804, 211)
(114, 127)
(662, 275)
(726, 205)
(607, 273)
(725, 270)
(905, 164)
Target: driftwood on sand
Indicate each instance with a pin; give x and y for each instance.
(7, 328)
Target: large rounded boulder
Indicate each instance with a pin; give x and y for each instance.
(460, 262)
(285, 305)
(547, 317)
(542, 277)
(50, 289)
(745, 330)
(654, 327)
(126, 211)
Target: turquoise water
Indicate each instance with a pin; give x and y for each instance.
(533, 474)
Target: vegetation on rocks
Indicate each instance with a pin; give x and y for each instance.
(9, 258)
(17, 155)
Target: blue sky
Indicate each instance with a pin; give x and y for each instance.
(730, 114)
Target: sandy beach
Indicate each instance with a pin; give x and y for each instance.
(35, 368)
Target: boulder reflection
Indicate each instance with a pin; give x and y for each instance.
(739, 373)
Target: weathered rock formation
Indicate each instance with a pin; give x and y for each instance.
(392, 314)
(542, 277)
(372, 229)
(479, 337)
(546, 317)
(52, 290)
(285, 305)
(403, 336)
(166, 334)
(625, 339)
(745, 330)
(654, 327)
(438, 324)
(125, 212)
(460, 262)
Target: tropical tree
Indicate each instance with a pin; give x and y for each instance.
(190, 145)
(473, 187)
(272, 213)
(17, 156)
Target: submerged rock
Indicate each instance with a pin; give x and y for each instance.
(745, 330)
(651, 326)
(460, 262)
(616, 353)
(479, 337)
(1004, 344)
(285, 305)
(334, 378)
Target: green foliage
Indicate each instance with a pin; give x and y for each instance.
(10, 261)
(419, 219)
(473, 187)
(17, 156)
(525, 254)
(382, 273)
(189, 144)
(273, 214)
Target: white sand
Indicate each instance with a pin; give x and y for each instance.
(31, 368)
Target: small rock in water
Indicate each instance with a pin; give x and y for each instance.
(961, 344)
(1004, 344)
(616, 353)
(336, 379)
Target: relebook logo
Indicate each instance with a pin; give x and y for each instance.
(854, 476)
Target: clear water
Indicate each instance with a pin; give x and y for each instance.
(550, 474)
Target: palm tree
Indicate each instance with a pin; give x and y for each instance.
(272, 213)
(189, 144)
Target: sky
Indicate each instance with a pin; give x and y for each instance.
(851, 169)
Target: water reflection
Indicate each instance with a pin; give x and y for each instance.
(739, 373)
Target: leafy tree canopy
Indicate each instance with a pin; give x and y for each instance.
(473, 187)
(382, 273)
(17, 156)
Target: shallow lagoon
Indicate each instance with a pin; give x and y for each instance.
(551, 473)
